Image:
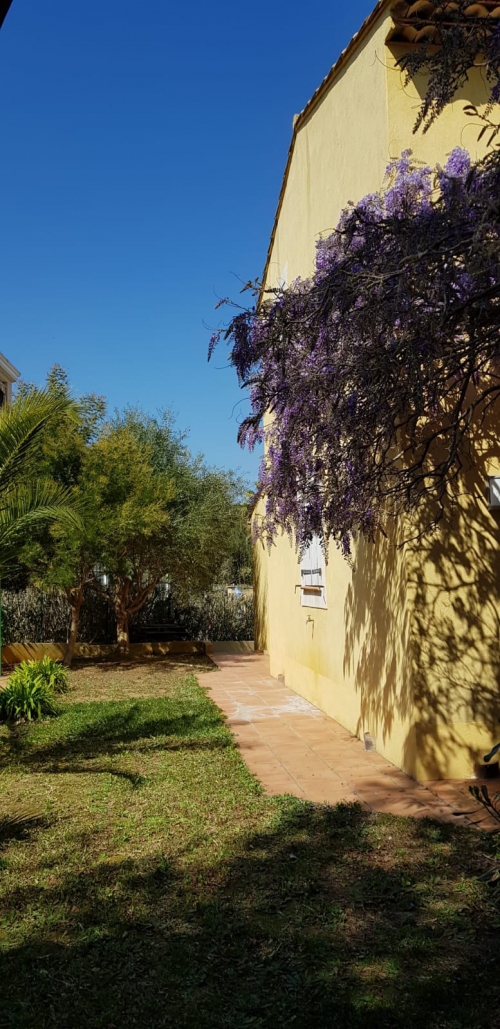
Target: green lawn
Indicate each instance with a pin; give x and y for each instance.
(146, 881)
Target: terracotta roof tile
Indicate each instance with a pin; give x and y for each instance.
(419, 22)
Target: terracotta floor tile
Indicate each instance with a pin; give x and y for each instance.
(425, 797)
(382, 783)
(454, 795)
(285, 741)
(389, 806)
(306, 772)
(244, 740)
(279, 734)
(318, 743)
(397, 776)
(356, 770)
(295, 751)
(321, 791)
(379, 792)
(282, 786)
(261, 761)
(276, 743)
(309, 770)
(301, 760)
(265, 772)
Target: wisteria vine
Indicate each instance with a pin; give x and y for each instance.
(367, 377)
(451, 36)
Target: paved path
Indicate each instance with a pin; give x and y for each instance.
(293, 747)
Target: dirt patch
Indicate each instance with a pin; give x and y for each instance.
(121, 680)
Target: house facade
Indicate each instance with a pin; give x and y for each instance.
(8, 376)
(402, 646)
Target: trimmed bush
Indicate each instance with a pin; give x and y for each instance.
(26, 699)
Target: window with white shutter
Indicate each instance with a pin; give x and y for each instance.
(313, 575)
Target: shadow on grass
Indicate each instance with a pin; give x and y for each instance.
(133, 778)
(20, 827)
(91, 730)
(318, 922)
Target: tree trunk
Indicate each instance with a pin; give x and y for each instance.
(122, 634)
(76, 606)
(121, 608)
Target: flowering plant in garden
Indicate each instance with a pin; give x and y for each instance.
(367, 376)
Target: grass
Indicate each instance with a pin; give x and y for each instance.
(147, 881)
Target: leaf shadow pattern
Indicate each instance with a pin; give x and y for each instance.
(308, 924)
(423, 631)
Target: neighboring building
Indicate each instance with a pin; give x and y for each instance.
(8, 375)
(404, 645)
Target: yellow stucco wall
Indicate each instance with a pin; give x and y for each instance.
(352, 659)
(406, 649)
(453, 580)
(340, 154)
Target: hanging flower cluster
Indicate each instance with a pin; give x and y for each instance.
(365, 379)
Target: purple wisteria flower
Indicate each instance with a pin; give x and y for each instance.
(370, 374)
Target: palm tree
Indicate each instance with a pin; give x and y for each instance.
(26, 497)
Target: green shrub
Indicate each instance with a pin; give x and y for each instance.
(48, 671)
(26, 699)
(54, 673)
(30, 691)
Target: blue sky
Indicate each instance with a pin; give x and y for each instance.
(143, 148)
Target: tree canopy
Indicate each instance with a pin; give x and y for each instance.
(149, 511)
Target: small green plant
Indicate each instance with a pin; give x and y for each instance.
(55, 674)
(30, 691)
(50, 672)
(26, 699)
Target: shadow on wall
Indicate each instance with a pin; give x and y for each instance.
(260, 596)
(422, 632)
(475, 91)
(377, 633)
(454, 584)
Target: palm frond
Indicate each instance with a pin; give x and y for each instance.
(24, 506)
(21, 430)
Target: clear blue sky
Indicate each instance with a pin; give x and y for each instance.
(143, 147)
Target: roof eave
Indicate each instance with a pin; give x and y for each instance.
(8, 368)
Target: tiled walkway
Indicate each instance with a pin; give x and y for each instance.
(292, 747)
